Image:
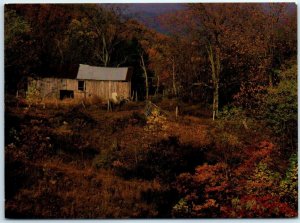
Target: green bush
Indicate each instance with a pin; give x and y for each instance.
(279, 107)
(289, 185)
(232, 112)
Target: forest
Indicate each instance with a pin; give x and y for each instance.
(210, 131)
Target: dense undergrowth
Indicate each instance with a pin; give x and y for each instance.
(78, 163)
(85, 162)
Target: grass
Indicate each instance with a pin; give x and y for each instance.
(64, 183)
(71, 161)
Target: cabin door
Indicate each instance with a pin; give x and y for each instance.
(66, 94)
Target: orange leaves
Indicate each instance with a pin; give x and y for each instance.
(254, 155)
(213, 179)
(249, 93)
(210, 173)
(217, 188)
(250, 190)
(205, 189)
(152, 52)
(209, 205)
(252, 206)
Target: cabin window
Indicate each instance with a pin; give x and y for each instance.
(81, 85)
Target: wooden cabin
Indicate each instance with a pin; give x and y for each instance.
(89, 81)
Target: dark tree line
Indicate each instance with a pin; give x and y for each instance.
(212, 51)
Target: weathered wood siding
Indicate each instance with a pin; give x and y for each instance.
(50, 87)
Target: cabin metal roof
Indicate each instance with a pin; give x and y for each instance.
(87, 72)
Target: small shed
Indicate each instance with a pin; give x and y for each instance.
(89, 81)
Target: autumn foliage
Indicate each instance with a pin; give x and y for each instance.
(221, 142)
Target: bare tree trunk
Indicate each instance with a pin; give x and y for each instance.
(218, 70)
(215, 68)
(145, 75)
(105, 53)
(61, 54)
(174, 78)
(157, 84)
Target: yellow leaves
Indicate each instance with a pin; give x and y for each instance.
(156, 122)
(181, 208)
(33, 94)
(81, 28)
(235, 202)
(250, 204)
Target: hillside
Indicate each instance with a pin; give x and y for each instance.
(72, 161)
(148, 14)
(108, 118)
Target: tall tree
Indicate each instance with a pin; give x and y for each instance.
(214, 59)
(19, 53)
(108, 25)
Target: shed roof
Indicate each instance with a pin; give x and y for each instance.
(87, 72)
